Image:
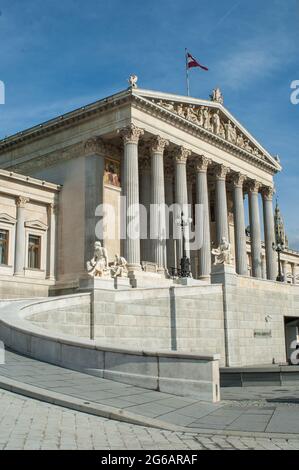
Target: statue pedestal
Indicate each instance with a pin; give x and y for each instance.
(223, 274)
(120, 283)
(142, 279)
(190, 282)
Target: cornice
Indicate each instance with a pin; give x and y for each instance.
(94, 145)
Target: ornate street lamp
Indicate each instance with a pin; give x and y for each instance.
(279, 248)
(185, 264)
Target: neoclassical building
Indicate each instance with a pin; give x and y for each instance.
(152, 148)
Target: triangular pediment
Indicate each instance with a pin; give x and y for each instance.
(211, 117)
(7, 219)
(36, 224)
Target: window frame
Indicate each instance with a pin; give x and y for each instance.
(7, 247)
(39, 237)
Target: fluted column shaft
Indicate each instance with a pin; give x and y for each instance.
(239, 223)
(145, 200)
(158, 222)
(20, 237)
(202, 198)
(131, 136)
(255, 229)
(269, 233)
(181, 195)
(169, 200)
(51, 264)
(221, 204)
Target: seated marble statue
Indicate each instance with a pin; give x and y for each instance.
(98, 265)
(222, 253)
(119, 267)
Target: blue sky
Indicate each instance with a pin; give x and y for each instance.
(58, 55)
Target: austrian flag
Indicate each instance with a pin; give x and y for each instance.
(191, 62)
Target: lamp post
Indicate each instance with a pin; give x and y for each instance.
(279, 247)
(185, 261)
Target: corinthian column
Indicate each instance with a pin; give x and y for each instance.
(239, 223)
(221, 203)
(269, 232)
(158, 222)
(131, 136)
(202, 198)
(20, 236)
(181, 194)
(255, 229)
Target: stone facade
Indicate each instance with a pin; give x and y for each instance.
(28, 211)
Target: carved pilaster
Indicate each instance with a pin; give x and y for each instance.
(131, 134)
(94, 145)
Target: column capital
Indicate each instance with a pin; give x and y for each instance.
(21, 201)
(221, 171)
(94, 145)
(158, 144)
(201, 163)
(182, 154)
(53, 208)
(268, 192)
(238, 180)
(254, 186)
(131, 134)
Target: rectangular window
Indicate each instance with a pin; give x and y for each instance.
(34, 246)
(4, 246)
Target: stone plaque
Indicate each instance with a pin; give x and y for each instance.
(262, 333)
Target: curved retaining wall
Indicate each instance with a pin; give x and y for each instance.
(166, 371)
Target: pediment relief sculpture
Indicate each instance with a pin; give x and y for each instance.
(213, 120)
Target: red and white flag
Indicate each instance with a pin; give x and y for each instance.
(191, 62)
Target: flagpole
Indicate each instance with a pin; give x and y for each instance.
(187, 73)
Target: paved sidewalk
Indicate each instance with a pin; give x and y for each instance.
(252, 413)
(32, 425)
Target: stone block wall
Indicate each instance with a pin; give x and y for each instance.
(255, 311)
(180, 319)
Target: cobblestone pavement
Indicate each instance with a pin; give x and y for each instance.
(29, 424)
